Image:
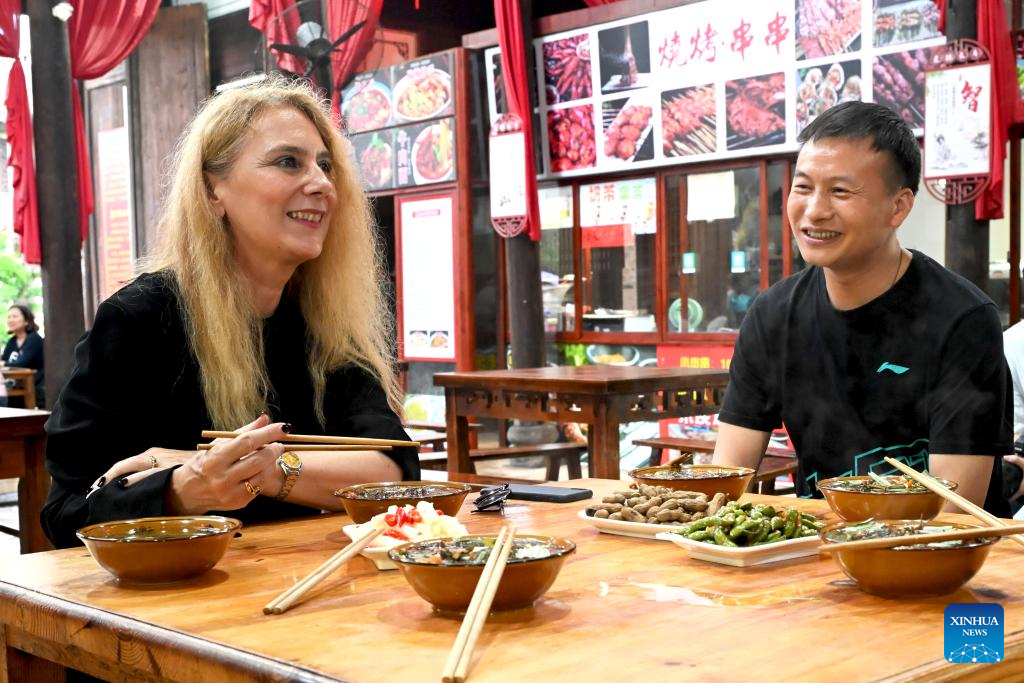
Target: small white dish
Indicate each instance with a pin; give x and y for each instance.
(623, 528)
(745, 557)
(375, 553)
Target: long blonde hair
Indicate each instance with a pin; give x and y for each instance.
(340, 292)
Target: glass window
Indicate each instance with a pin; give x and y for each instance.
(618, 222)
(721, 262)
(556, 267)
(778, 236)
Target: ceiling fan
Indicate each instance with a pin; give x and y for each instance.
(309, 45)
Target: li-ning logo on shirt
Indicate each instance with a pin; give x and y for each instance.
(895, 369)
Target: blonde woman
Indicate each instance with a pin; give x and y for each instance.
(263, 298)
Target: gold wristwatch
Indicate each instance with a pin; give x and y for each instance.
(291, 465)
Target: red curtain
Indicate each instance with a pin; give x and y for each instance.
(19, 135)
(994, 33)
(101, 34)
(341, 16)
(262, 15)
(513, 60)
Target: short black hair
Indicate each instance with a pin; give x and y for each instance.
(30, 318)
(885, 128)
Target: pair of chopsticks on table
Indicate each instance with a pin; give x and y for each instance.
(457, 667)
(281, 603)
(310, 442)
(996, 526)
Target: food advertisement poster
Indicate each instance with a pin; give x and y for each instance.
(401, 105)
(113, 211)
(717, 79)
(958, 103)
(375, 153)
(898, 21)
(820, 88)
(366, 104)
(426, 282)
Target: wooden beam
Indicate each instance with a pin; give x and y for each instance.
(966, 237)
(57, 183)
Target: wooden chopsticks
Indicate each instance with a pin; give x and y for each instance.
(320, 439)
(931, 484)
(311, 447)
(456, 668)
(893, 541)
(285, 600)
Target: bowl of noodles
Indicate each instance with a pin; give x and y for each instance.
(433, 154)
(422, 93)
(368, 107)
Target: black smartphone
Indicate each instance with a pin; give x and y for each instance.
(547, 494)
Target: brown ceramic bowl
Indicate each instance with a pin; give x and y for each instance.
(727, 479)
(857, 506)
(159, 549)
(450, 587)
(363, 501)
(912, 571)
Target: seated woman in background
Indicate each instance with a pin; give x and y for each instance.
(24, 349)
(264, 298)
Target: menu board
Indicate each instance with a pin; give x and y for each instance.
(718, 79)
(426, 282)
(392, 117)
(113, 215)
(613, 213)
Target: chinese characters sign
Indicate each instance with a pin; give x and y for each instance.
(956, 139)
(718, 79)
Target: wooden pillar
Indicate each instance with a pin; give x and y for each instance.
(57, 183)
(966, 237)
(526, 312)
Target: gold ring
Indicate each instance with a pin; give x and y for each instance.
(153, 464)
(253, 490)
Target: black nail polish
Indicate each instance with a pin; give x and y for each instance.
(99, 482)
(123, 482)
(286, 427)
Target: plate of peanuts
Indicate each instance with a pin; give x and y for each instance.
(647, 511)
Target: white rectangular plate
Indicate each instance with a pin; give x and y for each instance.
(376, 554)
(623, 528)
(745, 557)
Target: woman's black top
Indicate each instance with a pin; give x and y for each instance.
(136, 385)
(28, 355)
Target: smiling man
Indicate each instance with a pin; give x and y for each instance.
(873, 350)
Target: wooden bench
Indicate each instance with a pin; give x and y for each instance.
(777, 461)
(554, 452)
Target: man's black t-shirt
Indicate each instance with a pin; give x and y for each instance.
(918, 370)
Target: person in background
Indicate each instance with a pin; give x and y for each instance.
(873, 350)
(1013, 465)
(264, 299)
(25, 349)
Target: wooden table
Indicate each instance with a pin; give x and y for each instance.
(603, 396)
(25, 383)
(22, 456)
(621, 609)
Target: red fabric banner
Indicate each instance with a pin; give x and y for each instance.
(341, 16)
(263, 15)
(101, 34)
(513, 59)
(994, 33)
(19, 135)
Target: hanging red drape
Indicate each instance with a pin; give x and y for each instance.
(269, 18)
(341, 16)
(101, 34)
(994, 33)
(941, 4)
(19, 135)
(513, 61)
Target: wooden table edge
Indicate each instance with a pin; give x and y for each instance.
(168, 643)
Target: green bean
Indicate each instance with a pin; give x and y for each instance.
(702, 535)
(792, 519)
(721, 538)
(778, 522)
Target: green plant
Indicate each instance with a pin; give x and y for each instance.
(19, 283)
